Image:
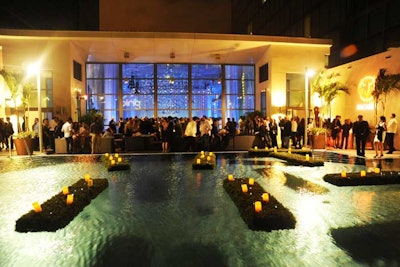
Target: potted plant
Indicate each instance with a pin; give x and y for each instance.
(318, 137)
(23, 142)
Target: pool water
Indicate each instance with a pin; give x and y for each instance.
(163, 213)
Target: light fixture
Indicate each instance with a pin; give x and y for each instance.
(34, 68)
(308, 73)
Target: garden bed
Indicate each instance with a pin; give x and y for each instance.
(273, 216)
(55, 213)
(370, 178)
(268, 152)
(115, 163)
(204, 161)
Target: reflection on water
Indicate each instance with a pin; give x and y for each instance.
(163, 213)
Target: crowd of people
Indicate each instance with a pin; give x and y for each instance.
(205, 133)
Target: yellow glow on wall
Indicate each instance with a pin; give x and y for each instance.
(365, 88)
(316, 100)
(278, 98)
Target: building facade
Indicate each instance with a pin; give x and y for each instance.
(161, 74)
(370, 27)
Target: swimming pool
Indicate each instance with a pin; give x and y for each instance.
(163, 213)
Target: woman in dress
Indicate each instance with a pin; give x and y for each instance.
(378, 140)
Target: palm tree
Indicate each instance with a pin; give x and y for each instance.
(13, 80)
(384, 83)
(328, 88)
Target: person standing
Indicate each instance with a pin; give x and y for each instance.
(190, 134)
(391, 131)
(378, 140)
(67, 130)
(336, 128)
(346, 127)
(96, 129)
(9, 131)
(35, 129)
(361, 131)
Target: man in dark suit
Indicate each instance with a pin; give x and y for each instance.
(361, 132)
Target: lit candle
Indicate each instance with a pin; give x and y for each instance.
(256, 147)
(202, 152)
(113, 162)
(116, 155)
(258, 206)
(343, 174)
(275, 149)
(251, 181)
(290, 150)
(107, 155)
(230, 177)
(198, 161)
(208, 158)
(244, 188)
(90, 183)
(37, 207)
(377, 170)
(65, 190)
(211, 153)
(70, 199)
(307, 157)
(363, 173)
(265, 197)
(111, 158)
(202, 156)
(119, 159)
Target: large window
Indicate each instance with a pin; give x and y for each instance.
(172, 90)
(295, 90)
(239, 90)
(102, 88)
(177, 90)
(138, 90)
(206, 90)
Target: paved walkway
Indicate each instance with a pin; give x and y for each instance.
(369, 154)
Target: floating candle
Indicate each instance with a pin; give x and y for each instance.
(70, 199)
(258, 206)
(343, 174)
(65, 190)
(230, 177)
(251, 181)
(265, 197)
(363, 173)
(37, 207)
(245, 189)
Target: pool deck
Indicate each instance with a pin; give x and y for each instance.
(369, 154)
